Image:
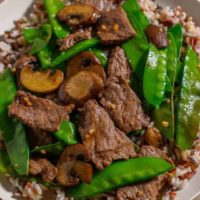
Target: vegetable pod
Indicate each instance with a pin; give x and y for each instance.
(154, 81)
(189, 102)
(121, 173)
(67, 133)
(53, 7)
(12, 130)
(164, 116)
(136, 49)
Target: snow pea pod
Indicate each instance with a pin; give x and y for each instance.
(67, 133)
(188, 115)
(136, 49)
(100, 55)
(154, 81)
(164, 116)
(77, 48)
(5, 165)
(53, 7)
(121, 173)
(53, 149)
(177, 32)
(12, 130)
(38, 37)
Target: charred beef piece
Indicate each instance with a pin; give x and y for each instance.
(42, 166)
(38, 112)
(103, 140)
(114, 27)
(102, 5)
(145, 191)
(148, 190)
(157, 36)
(147, 150)
(37, 137)
(123, 105)
(118, 64)
(72, 39)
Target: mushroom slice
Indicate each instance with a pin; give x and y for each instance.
(73, 167)
(157, 36)
(78, 14)
(81, 87)
(85, 61)
(41, 81)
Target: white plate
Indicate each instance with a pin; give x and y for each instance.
(11, 10)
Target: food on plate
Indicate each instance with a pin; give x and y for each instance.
(99, 99)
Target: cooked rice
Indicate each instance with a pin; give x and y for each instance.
(14, 45)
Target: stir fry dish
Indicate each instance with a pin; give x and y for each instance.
(102, 103)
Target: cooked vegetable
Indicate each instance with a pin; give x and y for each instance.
(120, 174)
(12, 130)
(177, 32)
(77, 48)
(100, 55)
(80, 87)
(41, 81)
(85, 61)
(5, 165)
(53, 7)
(38, 37)
(139, 16)
(73, 167)
(154, 81)
(53, 149)
(67, 133)
(189, 102)
(78, 14)
(153, 137)
(165, 114)
(136, 49)
(157, 35)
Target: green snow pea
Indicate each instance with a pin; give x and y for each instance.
(67, 133)
(12, 130)
(166, 111)
(121, 173)
(100, 55)
(136, 49)
(76, 49)
(154, 81)
(177, 32)
(38, 37)
(188, 115)
(5, 165)
(53, 7)
(53, 149)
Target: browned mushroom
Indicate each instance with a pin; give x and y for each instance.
(24, 61)
(40, 81)
(153, 137)
(78, 14)
(73, 167)
(157, 36)
(85, 61)
(80, 87)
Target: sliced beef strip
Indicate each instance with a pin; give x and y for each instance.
(145, 191)
(123, 105)
(118, 64)
(114, 27)
(38, 112)
(102, 5)
(37, 137)
(148, 190)
(103, 140)
(147, 150)
(72, 39)
(43, 167)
